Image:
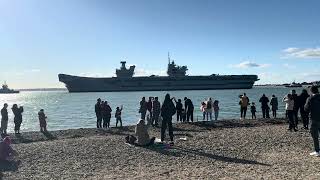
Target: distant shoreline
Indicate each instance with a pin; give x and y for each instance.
(44, 89)
(65, 89)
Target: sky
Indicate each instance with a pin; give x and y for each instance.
(277, 40)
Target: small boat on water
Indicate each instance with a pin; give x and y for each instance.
(293, 84)
(5, 90)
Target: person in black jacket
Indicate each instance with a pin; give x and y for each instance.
(179, 109)
(302, 101)
(189, 108)
(312, 106)
(4, 119)
(106, 114)
(143, 108)
(264, 105)
(156, 107)
(167, 111)
(17, 111)
(295, 107)
(97, 109)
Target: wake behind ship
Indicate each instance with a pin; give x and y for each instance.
(176, 80)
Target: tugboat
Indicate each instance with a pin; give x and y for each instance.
(5, 90)
(293, 84)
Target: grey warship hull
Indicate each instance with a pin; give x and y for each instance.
(157, 83)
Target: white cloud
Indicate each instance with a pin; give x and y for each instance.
(250, 64)
(290, 50)
(269, 78)
(306, 53)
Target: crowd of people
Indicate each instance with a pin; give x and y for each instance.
(17, 112)
(307, 105)
(151, 110)
(293, 105)
(208, 107)
(103, 114)
(156, 114)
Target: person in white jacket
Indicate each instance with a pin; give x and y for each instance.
(290, 111)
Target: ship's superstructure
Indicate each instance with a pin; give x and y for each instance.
(177, 79)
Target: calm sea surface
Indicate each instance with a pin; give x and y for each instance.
(76, 110)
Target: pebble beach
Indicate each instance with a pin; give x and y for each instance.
(232, 149)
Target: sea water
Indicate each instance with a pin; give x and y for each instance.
(76, 110)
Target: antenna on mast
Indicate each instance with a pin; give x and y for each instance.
(169, 57)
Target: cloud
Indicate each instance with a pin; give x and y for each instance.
(269, 78)
(249, 64)
(306, 53)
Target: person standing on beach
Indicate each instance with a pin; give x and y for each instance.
(216, 109)
(295, 107)
(149, 107)
(274, 106)
(189, 108)
(304, 115)
(4, 119)
(106, 114)
(209, 109)
(203, 110)
(289, 108)
(167, 111)
(312, 106)
(264, 100)
(179, 108)
(118, 116)
(156, 109)
(253, 111)
(244, 103)
(97, 109)
(17, 111)
(42, 121)
(143, 108)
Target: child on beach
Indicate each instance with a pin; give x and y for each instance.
(268, 112)
(183, 115)
(118, 116)
(253, 111)
(216, 109)
(42, 121)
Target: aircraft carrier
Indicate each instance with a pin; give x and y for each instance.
(176, 80)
